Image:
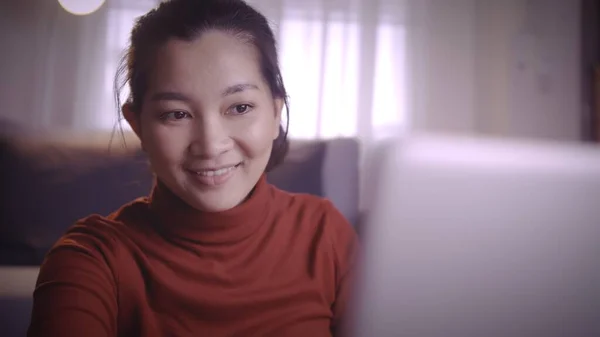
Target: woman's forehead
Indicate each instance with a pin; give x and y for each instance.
(216, 59)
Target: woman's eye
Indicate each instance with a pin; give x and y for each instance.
(175, 115)
(241, 109)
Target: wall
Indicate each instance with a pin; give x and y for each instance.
(508, 68)
(540, 47)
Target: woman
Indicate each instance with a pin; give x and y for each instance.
(214, 250)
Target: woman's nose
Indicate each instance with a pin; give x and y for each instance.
(210, 138)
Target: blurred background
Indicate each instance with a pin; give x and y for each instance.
(357, 72)
(354, 68)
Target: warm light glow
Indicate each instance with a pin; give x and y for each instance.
(81, 7)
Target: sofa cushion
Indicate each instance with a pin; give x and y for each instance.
(301, 171)
(47, 187)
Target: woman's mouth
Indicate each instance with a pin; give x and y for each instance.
(214, 176)
(218, 172)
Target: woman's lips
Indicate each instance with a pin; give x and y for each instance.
(214, 177)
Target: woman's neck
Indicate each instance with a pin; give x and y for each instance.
(176, 218)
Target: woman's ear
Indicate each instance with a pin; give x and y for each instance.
(132, 118)
(278, 107)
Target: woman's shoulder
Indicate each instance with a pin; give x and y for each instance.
(324, 222)
(316, 210)
(83, 271)
(295, 200)
(102, 234)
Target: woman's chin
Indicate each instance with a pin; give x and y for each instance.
(213, 193)
(214, 201)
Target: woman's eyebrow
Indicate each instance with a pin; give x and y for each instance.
(234, 89)
(169, 96)
(177, 96)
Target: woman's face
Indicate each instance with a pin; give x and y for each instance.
(208, 120)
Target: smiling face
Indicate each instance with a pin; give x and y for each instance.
(208, 120)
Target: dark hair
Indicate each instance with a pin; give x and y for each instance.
(187, 20)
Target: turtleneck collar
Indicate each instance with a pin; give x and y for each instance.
(177, 218)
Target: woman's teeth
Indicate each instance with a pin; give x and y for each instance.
(211, 173)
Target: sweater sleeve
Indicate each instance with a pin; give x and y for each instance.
(75, 292)
(345, 249)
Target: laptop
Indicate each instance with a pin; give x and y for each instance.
(473, 237)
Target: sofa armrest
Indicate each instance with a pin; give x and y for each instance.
(341, 176)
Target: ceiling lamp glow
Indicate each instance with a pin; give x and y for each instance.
(81, 7)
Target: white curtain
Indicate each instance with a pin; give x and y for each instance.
(343, 62)
(50, 68)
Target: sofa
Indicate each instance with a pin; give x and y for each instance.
(49, 180)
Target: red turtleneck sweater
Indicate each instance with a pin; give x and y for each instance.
(276, 265)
